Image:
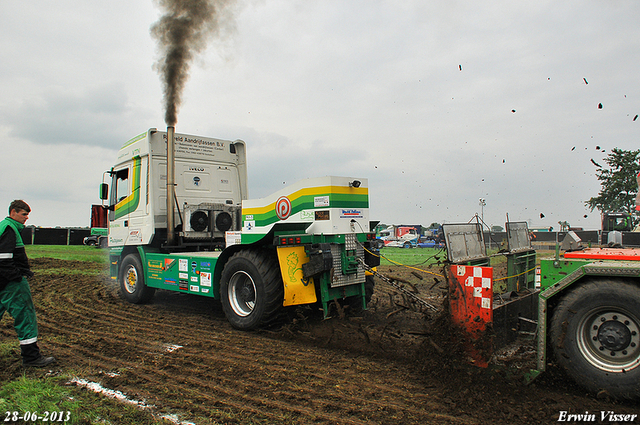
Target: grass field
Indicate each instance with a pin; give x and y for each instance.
(389, 256)
(68, 252)
(411, 256)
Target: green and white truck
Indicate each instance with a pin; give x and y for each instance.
(179, 219)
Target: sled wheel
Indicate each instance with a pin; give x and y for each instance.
(132, 286)
(595, 334)
(251, 289)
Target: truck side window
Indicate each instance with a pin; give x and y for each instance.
(119, 189)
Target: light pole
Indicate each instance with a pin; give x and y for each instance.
(483, 202)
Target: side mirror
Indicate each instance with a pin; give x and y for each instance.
(104, 191)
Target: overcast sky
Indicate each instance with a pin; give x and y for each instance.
(437, 103)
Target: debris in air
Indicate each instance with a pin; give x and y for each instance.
(541, 215)
(585, 81)
(595, 163)
(635, 118)
(599, 105)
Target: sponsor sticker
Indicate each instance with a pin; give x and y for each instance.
(283, 208)
(321, 201)
(205, 279)
(232, 237)
(135, 236)
(351, 214)
(183, 265)
(322, 215)
(306, 215)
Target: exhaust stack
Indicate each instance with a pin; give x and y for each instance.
(171, 171)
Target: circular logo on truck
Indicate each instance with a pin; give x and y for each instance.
(283, 208)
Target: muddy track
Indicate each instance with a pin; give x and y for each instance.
(389, 365)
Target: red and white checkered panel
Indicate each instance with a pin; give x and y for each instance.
(471, 306)
(479, 281)
(471, 296)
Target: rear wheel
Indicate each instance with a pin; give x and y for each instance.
(131, 279)
(356, 302)
(251, 289)
(595, 334)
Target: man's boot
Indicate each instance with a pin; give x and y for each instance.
(31, 356)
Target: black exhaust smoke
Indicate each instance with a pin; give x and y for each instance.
(182, 32)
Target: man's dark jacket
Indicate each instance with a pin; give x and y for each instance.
(13, 258)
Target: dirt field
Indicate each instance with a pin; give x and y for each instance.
(388, 365)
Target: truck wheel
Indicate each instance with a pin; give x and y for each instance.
(407, 244)
(251, 289)
(369, 286)
(131, 279)
(595, 334)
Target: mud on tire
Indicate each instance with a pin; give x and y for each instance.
(595, 335)
(251, 289)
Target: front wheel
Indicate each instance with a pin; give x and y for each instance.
(251, 289)
(595, 334)
(131, 279)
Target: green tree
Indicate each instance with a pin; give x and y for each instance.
(618, 182)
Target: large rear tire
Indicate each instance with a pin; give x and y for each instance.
(131, 279)
(251, 289)
(356, 302)
(595, 335)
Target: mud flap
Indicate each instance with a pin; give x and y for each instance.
(297, 290)
(471, 307)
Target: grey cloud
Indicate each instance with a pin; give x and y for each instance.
(64, 116)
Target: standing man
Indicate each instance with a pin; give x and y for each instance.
(15, 294)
